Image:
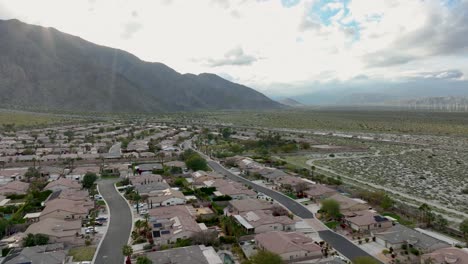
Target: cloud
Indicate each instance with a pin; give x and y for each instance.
(386, 59)
(445, 75)
(235, 57)
(130, 29)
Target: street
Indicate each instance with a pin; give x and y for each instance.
(120, 225)
(340, 243)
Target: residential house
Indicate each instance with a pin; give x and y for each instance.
(151, 188)
(59, 231)
(399, 235)
(348, 204)
(145, 179)
(317, 192)
(50, 254)
(149, 167)
(236, 207)
(261, 221)
(63, 184)
(14, 187)
(366, 221)
(65, 209)
(291, 246)
(168, 230)
(198, 254)
(450, 255)
(79, 172)
(234, 189)
(167, 197)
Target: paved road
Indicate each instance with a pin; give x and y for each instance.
(116, 149)
(295, 207)
(120, 225)
(343, 245)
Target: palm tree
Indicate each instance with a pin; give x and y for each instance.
(424, 209)
(127, 251)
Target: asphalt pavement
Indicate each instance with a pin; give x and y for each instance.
(340, 243)
(120, 225)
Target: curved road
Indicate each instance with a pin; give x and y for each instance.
(120, 225)
(340, 243)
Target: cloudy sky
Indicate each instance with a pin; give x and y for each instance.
(286, 47)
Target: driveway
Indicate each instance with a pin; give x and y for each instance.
(120, 225)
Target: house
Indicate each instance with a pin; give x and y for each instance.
(186, 255)
(152, 188)
(79, 172)
(186, 209)
(71, 194)
(145, 179)
(50, 254)
(366, 221)
(270, 174)
(14, 187)
(65, 209)
(241, 206)
(261, 221)
(168, 230)
(234, 189)
(348, 204)
(399, 235)
(450, 255)
(290, 246)
(317, 192)
(59, 231)
(149, 167)
(63, 184)
(12, 174)
(167, 197)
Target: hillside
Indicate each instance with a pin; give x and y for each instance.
(43, 68)
(290, 102)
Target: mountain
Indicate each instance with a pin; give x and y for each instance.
(290, 102)
(43, 68)
(449, 103)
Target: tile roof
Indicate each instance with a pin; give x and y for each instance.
(282, 242)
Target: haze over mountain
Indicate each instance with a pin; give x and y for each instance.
(43, 68)
(290, 102)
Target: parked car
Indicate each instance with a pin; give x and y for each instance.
(101, 219)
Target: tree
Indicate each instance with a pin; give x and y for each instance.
(32, 240)
(301, 187)
(386, 202)
(205, 237)
(440, 222)
(365, 260)
(195, 162)
(89, 179)
(331, 208)
(266, 257)
(32, 173)
(278, 210)
(127, 251)
(143, 260)
(464, 229)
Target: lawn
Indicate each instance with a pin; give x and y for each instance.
(82, 253)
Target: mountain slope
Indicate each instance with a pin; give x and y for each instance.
(290, 102)
(44, 68)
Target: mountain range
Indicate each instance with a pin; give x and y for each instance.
(43, 68)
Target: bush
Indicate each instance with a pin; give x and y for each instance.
(228, 239)
(222, 198)
(147, 246)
